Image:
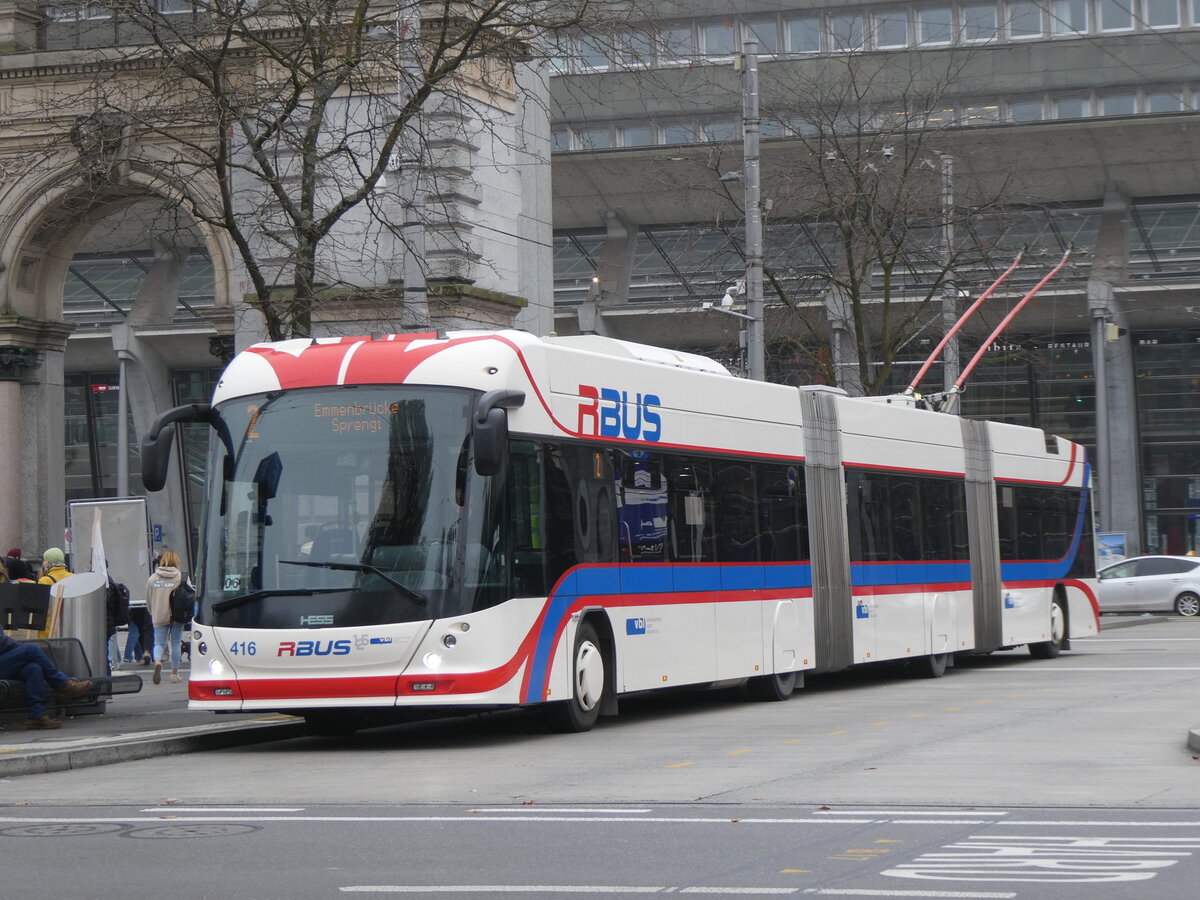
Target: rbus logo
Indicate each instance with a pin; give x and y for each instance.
(612, 413)
(314, 648)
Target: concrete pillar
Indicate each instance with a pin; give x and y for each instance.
(10, 452)
(611, 287)
(535, 260)
(1118, 465)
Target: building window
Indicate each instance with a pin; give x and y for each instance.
(633, 48)
(1164, 102)
(719, 131)
(593, 54)
(1068, 17)
(593, 138)
(637, 136)
(986, 114)
(1161, 13)
(935, 26)
(679, 133)
(1073, 107)
(560, 140)
(1027, 111)
(676, 44)
(1114, 15)
(766, 33)
(891, 28)
(845, 33)
(1024, 20)
(978, 22)
(1118, 105)
(718, 40)
(804, 35)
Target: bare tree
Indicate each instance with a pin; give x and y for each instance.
(287, 119)
(866, 232)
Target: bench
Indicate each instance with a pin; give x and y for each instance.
(23, 613)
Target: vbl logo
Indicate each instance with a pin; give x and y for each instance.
(635, 626)
(612, 413)
(314, 648)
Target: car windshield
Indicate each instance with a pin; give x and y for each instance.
(349, 506)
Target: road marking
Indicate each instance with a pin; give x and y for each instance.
(838, 732)
(877, 724)
(870, 892)
(1008, 671)
(901, 813)
(223, 809)
(558, 809)
(738, 752)
(680, 765)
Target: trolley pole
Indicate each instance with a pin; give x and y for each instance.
(755, 345)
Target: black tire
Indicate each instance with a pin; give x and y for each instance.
(1187, 604)
(772, 688)
(332, 723)
(1058, 631)
(933, 666)
(589, 682)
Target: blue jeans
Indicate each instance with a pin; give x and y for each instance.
(161, 632)
(30, 664)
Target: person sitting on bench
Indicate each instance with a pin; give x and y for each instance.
(29, 663)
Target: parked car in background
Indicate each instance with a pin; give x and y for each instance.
(1151, 584)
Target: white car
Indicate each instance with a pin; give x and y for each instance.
(1151, 584)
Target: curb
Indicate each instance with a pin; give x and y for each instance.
(1109, 622)
(1194, 740)
(148, 748)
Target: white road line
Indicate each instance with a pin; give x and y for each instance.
(223, 809)
(576, 889)
(867, 892)
(550, 809)
(1065, 669)
(498, 889)
(901, 813)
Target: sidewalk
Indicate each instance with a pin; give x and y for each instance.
(153, 722)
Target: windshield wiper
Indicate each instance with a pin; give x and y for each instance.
(234, 602)
(361, 567)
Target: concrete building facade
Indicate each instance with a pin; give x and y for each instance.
(1079, 114)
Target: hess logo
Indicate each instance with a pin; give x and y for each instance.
(606, 412)
(314, 648)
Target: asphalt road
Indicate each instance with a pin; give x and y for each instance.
(1009, 777)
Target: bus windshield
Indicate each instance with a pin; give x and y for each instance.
(350, 506)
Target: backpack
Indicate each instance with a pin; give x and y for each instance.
(118, 603)
(183, 602)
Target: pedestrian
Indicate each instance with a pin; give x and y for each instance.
(140, 639)
(116, 613)
(159, 588)
(29, 663)
(18, 569)
(54, 567)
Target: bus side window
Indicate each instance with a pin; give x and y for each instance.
(904, 514)
(691, 510)
(1006, 515)
(642, 507)
(867, 498)
(737, 522)
(528, 555)
(784, 516)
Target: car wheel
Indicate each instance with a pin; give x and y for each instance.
(588, 685)
(1187, 605)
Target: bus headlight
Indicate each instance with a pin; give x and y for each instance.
(449, 641)
(216, 667)
(432, 660)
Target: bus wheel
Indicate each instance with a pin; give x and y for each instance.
(331, 723)
(1058, 630)
(588, 679)
(1187, 604)
(772, 687)
(933, 666)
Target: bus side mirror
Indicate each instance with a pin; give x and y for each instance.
(156, 444)
(489, 429)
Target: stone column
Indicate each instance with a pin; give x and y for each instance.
(15, 362)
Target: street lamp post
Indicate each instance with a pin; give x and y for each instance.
(755, 346)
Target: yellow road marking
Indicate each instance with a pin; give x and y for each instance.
(953, 708)
(792, 871)
(917, 716)
(837, 732)
(877, 724)
(738, 752)
(680, 765)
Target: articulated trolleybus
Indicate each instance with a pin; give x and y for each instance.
(482, 520)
